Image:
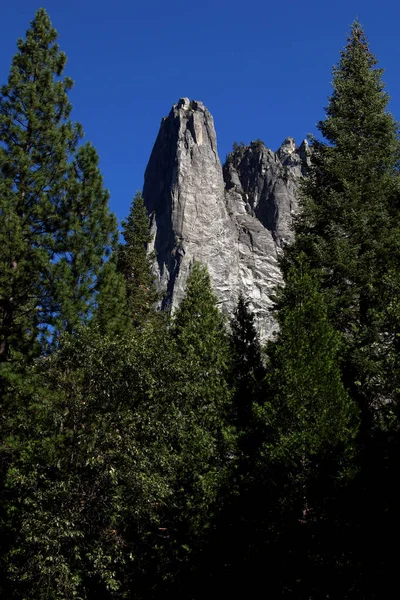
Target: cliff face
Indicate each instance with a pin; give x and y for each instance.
(234, 220)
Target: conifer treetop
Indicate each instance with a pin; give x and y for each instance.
(357, 119)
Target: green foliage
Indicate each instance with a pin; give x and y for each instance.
(312, 409)
(203, 402)
(248, 370)
(200, 332)
(88, 235)
(55, 226)
(237, 146)
(257, 144)
(238, 150)
(134, 263)
(334, 372)
(112, 315)
(90, 471)
(120, 452)
(37, 140)
(349, 226)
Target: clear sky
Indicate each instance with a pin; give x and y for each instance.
(263, 68)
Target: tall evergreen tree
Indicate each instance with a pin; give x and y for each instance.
(248, 370)
(37, 141)
(56, 230)
(349, 226)
(55, 226)
(294, 454)
(200, 332)
(347, 241)
(134, 262)
(88, 236)
(312, 411)
(241, 506)
(201, 405)
(111, 315)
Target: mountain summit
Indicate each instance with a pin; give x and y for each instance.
(234, 218)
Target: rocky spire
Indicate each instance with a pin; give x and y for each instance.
(233, 220)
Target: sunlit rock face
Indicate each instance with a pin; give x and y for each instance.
(233, 219)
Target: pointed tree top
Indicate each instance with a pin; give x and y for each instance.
(357, 43)
(357, 34)
(41, 28)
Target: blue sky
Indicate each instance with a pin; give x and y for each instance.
(262, 68)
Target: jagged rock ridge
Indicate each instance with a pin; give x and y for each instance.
(233, 219)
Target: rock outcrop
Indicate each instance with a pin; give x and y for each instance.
(234, 220)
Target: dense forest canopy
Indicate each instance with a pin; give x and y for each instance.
(145, 455)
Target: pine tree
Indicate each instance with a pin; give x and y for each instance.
(349, 226)
(200, 330)
(312, 424)
(347, 246)
(313, 412)
(56, 229)
(112, 314)
(134, 262)
(201, 405)
(88, 236)
(241, 506)
(248, 370)
(37, 141)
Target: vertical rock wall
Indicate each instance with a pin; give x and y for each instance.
(234, 220)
